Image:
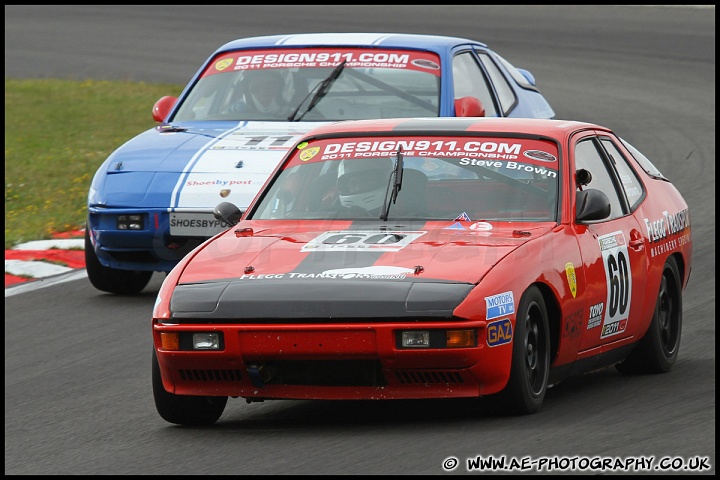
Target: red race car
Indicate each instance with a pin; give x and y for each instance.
(429, 258)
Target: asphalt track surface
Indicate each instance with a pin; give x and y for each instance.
(77, 362)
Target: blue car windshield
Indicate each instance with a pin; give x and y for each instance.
(258, 85)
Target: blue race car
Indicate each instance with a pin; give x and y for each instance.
(151, 202)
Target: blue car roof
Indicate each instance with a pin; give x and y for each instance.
(435, 43)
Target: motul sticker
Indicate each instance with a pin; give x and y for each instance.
(375, 272)
(382, 272)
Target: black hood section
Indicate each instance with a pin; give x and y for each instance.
(314, 299)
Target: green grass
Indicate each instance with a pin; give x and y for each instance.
(57, 133)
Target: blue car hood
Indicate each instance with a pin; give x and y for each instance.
(194, 167)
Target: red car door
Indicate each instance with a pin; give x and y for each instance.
(613, 254)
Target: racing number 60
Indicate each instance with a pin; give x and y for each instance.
(375, 239)
(618, 283)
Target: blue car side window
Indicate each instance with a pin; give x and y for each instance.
(469, 81)
(505, 93)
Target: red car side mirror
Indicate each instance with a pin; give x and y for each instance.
(469, 107)
(162, 108)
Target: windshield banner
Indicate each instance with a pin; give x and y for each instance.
(487, 151)
(324, 58)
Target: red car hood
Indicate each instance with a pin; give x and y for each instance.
(441, 251)
(329, 270)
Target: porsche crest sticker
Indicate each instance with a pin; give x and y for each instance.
(306, 155)
(571, 278)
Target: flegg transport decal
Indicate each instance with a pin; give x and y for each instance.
(618, 278)
(668, 232)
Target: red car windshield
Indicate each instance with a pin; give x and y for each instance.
(442, 178)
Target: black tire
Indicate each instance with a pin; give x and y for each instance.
(530, 370)
(112, 280)
(188, 410)
(657, 351)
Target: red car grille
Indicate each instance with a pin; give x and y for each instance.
(210, 375)
(428, 377)
(318, 373)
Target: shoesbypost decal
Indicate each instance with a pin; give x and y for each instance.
(236, 163)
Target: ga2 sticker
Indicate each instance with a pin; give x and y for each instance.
(499, 332)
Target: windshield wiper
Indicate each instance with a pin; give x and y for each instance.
(322, 89)
(396, 182)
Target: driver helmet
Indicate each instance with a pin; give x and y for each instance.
(363, 182)
(266, 90)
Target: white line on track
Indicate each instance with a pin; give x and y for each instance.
(76, 274)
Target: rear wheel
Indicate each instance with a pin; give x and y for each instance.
(657, 351)
(527, 385)
(184, 409)
(112, 280)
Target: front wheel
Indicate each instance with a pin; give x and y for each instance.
(657, 351)
(184, 409)
(530, 370)
(112, 280)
